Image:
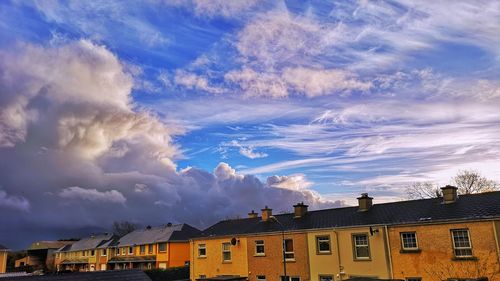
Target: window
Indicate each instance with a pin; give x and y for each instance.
(83, 253)
(150, 248)
(226, 252)
(461, 243)
(202, 250)
(123, 251)
(289, 249)
(203, 276)
(288, 278)
(142, 249)
(259, 248)
(414, 279)
(361, 247)
(92, 253)
(325, 278)
(261, 278)
(162, 247)
(323, 244)
(162, 265)
(130, 250)
(409, 240)
(103, 252)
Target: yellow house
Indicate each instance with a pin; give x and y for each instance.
(456, 237)
(153, 247)
(3, 258)
(83, 255)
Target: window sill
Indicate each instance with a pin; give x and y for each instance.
(227, 262)
(471, 258)
(323, 253)
(259, 255)
(410, 251)
(290, 260)
(361, 259)
(202, 257)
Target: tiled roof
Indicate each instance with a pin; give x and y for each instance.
(42, 245)
(88, 243)
(474, 206)
(164, 233)
(111, 275)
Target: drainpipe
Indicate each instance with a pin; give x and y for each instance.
(338, 254)
(388, 243)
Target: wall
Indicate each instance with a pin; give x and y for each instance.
(178, 254)
(271, 265)
(212, 264)
(3, 261)
(342, 255)
(436, 260)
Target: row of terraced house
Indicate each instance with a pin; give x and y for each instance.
(428, 239)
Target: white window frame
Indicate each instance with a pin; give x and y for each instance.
(461, 248)
(290, 278)
(202, 247)
(403, 243)
(292, 253)
(164, 251)
(104, 252)
(261, 278)
(260, 243)
(356, 246)
(318, 249)
(225, 251)
(327, 276)
(142, 249)
(151, 249)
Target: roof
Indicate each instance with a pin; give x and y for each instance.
(164, 233)
(110, 275)
(43, 245)
(87, 243)
(467, 207)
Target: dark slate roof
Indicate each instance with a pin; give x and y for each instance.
(164, 233)
(43, 245)
(88, 243)
(467, 207)
(112, 275)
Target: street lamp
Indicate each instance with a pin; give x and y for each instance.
(283, 241)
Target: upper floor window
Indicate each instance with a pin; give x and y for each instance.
(326, 278)
(323, 244)
(288, 278)
(414, 279)
(123, 251)
(361, 246)
(162, 247)
(142, 249)
(409, 240)
(150, 248)
(226, 251)
(202, 250)
(92, 253)
(130, 250)
(259, 247)
(83, 253)
(289, 254)
(103, 252)
(461, 243)
(261, 278)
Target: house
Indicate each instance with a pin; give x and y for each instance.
(40, 255)
(3, 258)
(362, 241)
(83, 254)
(153, 247)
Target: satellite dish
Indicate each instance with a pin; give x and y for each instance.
(234, 241)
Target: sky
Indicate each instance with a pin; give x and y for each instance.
(200, 110)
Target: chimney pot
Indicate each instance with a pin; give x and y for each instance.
(253, 215)
(300, 209)
(450, 194)
(364, 202)
(266, 213)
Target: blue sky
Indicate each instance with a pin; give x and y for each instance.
(340, 97)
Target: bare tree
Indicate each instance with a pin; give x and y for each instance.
(122, 228)
(422, 190)
(470, 181)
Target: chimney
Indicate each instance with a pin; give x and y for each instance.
(449, 194)
(266, 213)
(364, 202)
(253, 215)
(300, 210)
(148, 227)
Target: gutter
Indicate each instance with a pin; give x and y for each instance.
(388, 251)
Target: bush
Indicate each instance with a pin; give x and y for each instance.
(170, 274)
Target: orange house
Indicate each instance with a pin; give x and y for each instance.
(457, 238)
(153, 247)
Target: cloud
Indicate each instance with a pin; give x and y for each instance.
(75, 192)
(195, 82)
(71, 124)
(292, 182)
(13, 202)
(246, 151)
(215, 8)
